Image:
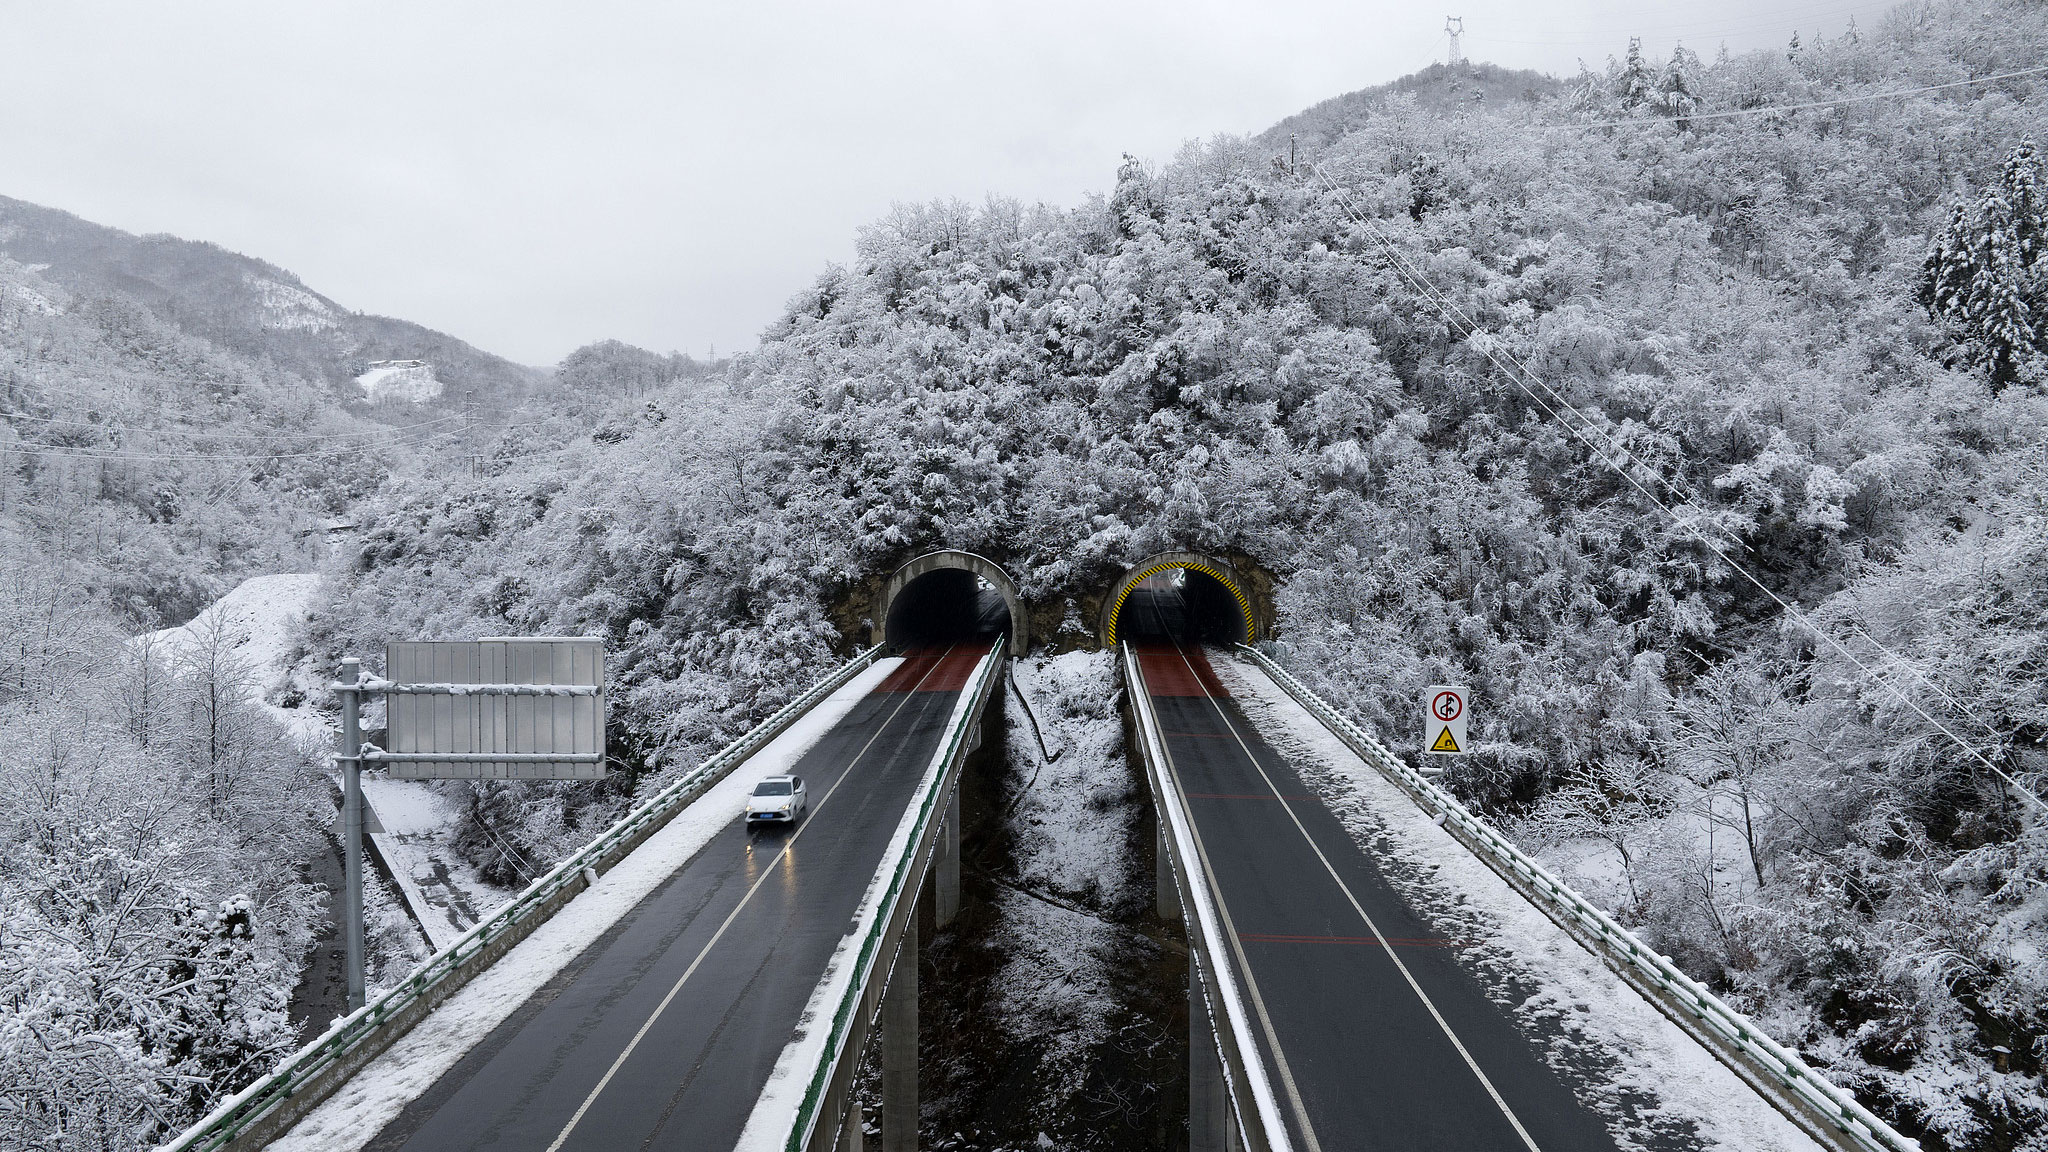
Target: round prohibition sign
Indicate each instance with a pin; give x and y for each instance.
(1447, 706)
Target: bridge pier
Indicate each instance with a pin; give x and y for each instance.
(899, 1047)
(1209, 1126)
(946, 872)
(1165, 899)
(842, 1102)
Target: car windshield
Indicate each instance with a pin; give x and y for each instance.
(772, 788)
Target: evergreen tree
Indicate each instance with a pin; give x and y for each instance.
(1132, 201)
(1637, 85)
(1678, 92)
(1984, 273)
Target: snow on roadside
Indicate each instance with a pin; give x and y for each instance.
(1064, 842)
(1659, 1082)
(352, 1117)
(415, 831)
(1068, 822)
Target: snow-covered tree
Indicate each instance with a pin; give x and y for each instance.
(1678, 88)
(1987, 272)
(1637, 83)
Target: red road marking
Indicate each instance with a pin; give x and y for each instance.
(946, 673)
(1167, 671)
(1396, 941)
(953, 672)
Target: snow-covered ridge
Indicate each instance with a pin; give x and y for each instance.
(28, 298)
(39, 299)
(400, 380)
(288, 308)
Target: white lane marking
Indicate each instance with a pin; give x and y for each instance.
(1500, 1103)
(780, 857)
(1308, 1132)
(1244, 967)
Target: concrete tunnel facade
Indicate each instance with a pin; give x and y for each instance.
(950, 565)
(919, 595)
(1246, 585)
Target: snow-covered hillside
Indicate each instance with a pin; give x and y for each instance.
(400, 380)
(288, 307)
(259, 619)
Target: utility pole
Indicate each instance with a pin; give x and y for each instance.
(350, 757)
(1455, 26)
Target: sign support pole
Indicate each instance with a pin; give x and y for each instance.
(351, 758)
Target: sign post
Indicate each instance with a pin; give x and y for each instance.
(1444, 709)
(504, 708)
(351, 760)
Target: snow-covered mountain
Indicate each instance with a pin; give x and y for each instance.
(249, 306)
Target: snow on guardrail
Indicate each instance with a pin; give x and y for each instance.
(302, 1079)
(1235, 1040)
(1830, 1103)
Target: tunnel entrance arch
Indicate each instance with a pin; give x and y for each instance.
(943, 592)
(1221, 583)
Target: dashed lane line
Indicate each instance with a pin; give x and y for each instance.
(1385, 944)
(780, 858)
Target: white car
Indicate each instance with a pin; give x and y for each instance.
(778, 799)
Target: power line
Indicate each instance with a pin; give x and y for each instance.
(88, 452)
(1768, 109)
(1455, 315)
(1700, 28)
(104, 426)
(399, 437)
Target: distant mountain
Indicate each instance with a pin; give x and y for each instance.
(252, 307)
(1439, 87)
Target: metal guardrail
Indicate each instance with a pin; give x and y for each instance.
(809, 1108)
(1831, 1104)
(1236, 1047)
(458, 960)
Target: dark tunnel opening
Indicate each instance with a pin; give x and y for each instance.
(945, 607)
(1183, 606)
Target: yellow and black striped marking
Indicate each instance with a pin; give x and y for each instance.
(1243, 605)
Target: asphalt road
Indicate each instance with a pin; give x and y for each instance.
(1373, 1032)
(663, 1032)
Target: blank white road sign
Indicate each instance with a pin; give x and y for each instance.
(1444, 708)
(537, 701)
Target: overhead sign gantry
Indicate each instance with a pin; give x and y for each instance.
(501, 708)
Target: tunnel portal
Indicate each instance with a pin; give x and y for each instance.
(1181, 597)
(946, 598)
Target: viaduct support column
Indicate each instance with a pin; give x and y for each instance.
(946, 869)
(1165, 899)
(850, 1136)
(1209, 1128)
(899, 1048)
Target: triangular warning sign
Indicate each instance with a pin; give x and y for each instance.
(1444, 743)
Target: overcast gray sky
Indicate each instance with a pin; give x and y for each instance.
(535, 176)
